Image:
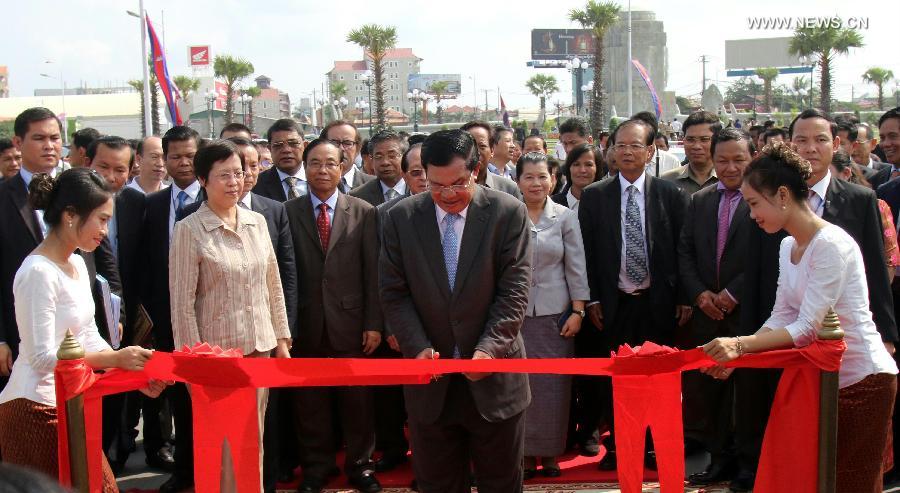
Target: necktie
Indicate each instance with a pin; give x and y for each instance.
(345, 188)
(895, 172)
(450, 244)
(324, 226)
(392, 194)
(635, 257)
(292, 187)
(814, 202)
(182, 200)
(724, 223)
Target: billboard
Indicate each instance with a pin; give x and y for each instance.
(198, 56)
(423, 82)
(759, 53)
(561, 44)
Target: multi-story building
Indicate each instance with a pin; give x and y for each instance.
(399, 63)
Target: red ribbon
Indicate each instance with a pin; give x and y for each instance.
(646, 386)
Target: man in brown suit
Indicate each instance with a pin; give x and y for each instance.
(454, 274)
(335, 241)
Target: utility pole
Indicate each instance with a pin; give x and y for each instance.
(703, 60)
(486, 91)
(628, 64)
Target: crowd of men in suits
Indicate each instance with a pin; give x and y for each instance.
(674, 259)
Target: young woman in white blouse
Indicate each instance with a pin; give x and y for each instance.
(53, 294)
(821, 268)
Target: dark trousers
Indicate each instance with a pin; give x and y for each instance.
(588, 391)
(754, 393)
(390, 412)
(445, 451)
(272, 439)
(180, 400)
(118, 439)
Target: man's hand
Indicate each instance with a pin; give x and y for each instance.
(155, 387)
(572, 326)
(724, 302)
(392, 342)
(478, 376)
(370, 341)
(683, 314)
(595, 313)
(428, 353)
(6, 360)
(706, 301)
(887, 345)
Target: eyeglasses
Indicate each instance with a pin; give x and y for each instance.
(415, 173)
(631, 147)
(694, 140)
(440, 189)
(345, 144)
(237, 175)
(392, 155)
(293, 143)
(318, 165)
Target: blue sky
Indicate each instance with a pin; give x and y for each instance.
(294, 42)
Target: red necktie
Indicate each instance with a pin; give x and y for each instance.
(324, 225)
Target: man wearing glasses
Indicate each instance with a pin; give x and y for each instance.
(699, 129)
(387, 148)
(287, 179)
(345, 135)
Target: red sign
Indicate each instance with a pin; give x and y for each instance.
(198, 55)
(221, 95)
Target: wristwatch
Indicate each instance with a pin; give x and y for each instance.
(580, 313)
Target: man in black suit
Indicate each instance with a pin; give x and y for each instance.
(853, 208)
(711, 267)
(287, 178)
(345, 134)
(631, 226)
(335, 243)
(277, 419)
(162, 209)
(481, 132)
(38, 136)
(387, 148)
(454, 274)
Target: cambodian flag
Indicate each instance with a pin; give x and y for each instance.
(644, 75)
(158, 56)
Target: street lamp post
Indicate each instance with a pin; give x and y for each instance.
(577, 67)
(416, 97)
(65, 121)
(210, 102)
(587, 89)
(361, 107)
(244, 100)
(339, 105)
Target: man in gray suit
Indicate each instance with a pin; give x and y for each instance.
(454, 274)
(336, 247)
(387, 148)
(481, 132)
(345, 135)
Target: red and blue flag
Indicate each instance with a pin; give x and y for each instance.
(158, 57)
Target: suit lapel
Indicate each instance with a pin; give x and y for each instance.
(614, 216)
(306, 222)
(257, 205)
(341, 218)
(19, 195)
(425, 220)
(709, 217)
(651, 213)
(476, 223)
(740, 213)
(834, 201)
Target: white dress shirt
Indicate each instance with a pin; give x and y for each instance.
(667, 162)
(830, 274)
(625, 283)
(48, 302)
(300, 175)
(399, 187)
(192, 190)
(245, 202)
(348, 177)
(458, 227)
(821, 189)
(571, 201)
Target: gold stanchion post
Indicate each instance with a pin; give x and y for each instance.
(828, 410)
(70, 349)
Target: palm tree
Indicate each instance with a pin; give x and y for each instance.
(231, 70)
(542, 86)
(823, 44)
(798, 87)
(138, 86)
(439, 88)
(338, 90)
(767, 75)
(253, 92)
(598, 17)
(186, 85)
(376, 40)
(878, 76)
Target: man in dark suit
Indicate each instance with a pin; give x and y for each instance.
(481, 132)
(454, 274)
(38, 136)
(387, 148)
(286, 179)
(277, 419)
(345, 134)
(711, 267)
(335, 243)
(631, 227)
(162, 210)
(853, 208)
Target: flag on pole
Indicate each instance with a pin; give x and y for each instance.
(646, 76)
(504, 112)
(158, 57)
